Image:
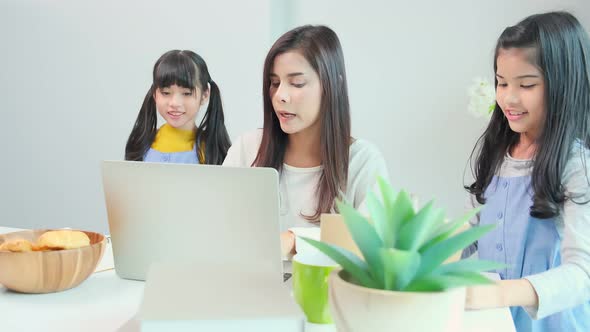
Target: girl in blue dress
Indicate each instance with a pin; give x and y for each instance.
(181, 85)
(531, 172)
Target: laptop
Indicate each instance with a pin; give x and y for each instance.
(201, 215)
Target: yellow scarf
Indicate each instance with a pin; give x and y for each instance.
(170, 140)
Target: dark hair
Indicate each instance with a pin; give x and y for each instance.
(561, 50)
(320, 46)
(188, 70)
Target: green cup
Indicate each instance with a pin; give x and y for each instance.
(310, 286)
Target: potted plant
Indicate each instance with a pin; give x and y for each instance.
(403, 282)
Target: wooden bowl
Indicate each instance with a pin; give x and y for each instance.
(48, 271)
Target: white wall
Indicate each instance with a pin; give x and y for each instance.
(74, 75)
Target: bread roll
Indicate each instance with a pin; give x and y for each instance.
(63, 239)
(18, 245)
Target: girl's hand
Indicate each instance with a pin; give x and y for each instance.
(287, 243)
(504, 293)
(483, 297)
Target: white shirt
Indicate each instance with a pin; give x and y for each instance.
(297, 186)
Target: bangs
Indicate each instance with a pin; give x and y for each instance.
(176, 69)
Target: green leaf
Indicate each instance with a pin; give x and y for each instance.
(491, 108)
(435, 255)
(403, 211)
(387, 194)
(350, 262)
(366, 239)
(448, 229)
(415, 232)
(379, 218)
(400, 267)
(468, 265)
(436, 283)
(397, 210)
(426, 284)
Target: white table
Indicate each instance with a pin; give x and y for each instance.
(105, 302)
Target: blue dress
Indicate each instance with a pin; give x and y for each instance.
(528, 245)
(185, 157)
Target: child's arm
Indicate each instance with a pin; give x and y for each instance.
(568, 285)
(504, 293)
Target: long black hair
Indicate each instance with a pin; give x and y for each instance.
(561, 51)
(321, 47)
(188, 70)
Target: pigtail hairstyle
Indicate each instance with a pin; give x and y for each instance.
(188, 70)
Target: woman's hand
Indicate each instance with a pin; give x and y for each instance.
(287, 243)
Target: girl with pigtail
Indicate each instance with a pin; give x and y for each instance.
(181, 86)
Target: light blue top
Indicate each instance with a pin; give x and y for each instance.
(185, 157)
(553, 254)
